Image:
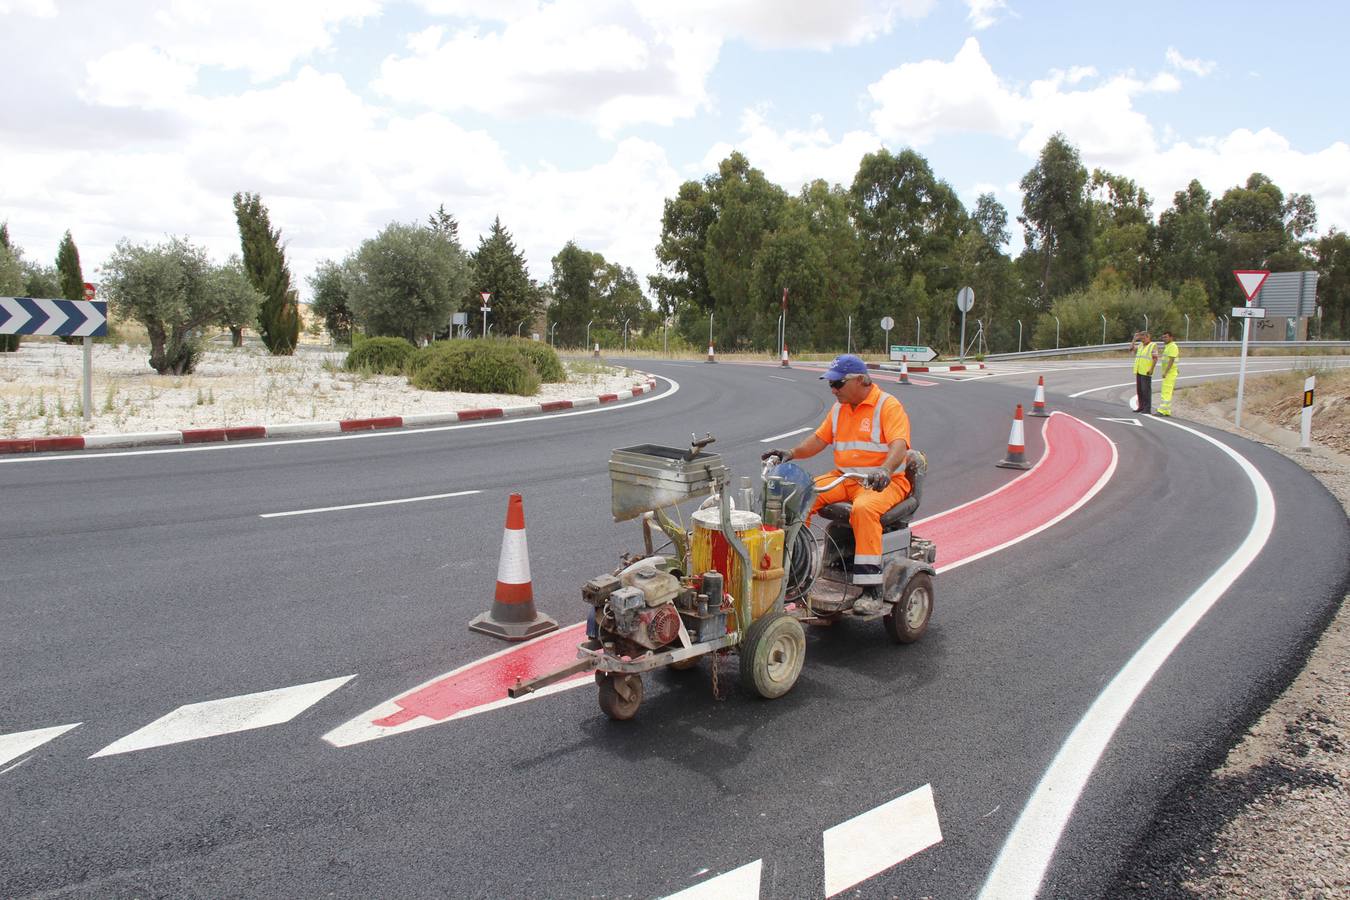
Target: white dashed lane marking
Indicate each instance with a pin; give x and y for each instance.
(216, 717)
(738, 884)
(12, 746)
(880, 838)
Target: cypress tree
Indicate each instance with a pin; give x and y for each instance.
(72, 277)
(265, 263)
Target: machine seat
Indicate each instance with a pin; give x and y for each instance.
(898, 516)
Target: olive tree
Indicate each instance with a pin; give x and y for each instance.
(406, 281)
(166, 287)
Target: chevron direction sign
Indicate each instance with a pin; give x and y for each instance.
(77, 318)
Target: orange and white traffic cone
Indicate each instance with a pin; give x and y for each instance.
(711, 357)
(1038, 404)
(1017, 445)
(513, 616)
(785, 358)
(904, 369)
(597, 349)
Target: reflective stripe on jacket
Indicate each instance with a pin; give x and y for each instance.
(1143, 359)
(861, 440)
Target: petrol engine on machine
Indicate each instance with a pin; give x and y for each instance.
(645, 608)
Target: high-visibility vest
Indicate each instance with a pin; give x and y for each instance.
(1143, 359)
(1173, 352)
(863, 452)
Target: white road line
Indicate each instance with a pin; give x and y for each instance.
(354, 436)
(1130, 384)
(880, 838)
(12, 746)
(781, 378)
(323, 509)
(776, 437)
(738, 884)
(216, 717)
(1026, 854)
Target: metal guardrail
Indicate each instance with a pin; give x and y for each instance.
(1233, 345)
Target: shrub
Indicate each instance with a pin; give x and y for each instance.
(544, 359)
(473, 366)
(381, 355)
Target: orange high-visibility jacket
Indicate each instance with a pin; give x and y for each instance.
(861, 436)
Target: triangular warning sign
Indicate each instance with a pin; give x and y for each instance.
(1251, 281)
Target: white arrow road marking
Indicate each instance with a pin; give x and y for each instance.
(55, 317)
(1135, 422)
(769, 440)
(12, 746)
(880, 838)
(323, 509)
(19, 314)
(738, 884)
(1026, 854)
(92, 322)
(217, 717)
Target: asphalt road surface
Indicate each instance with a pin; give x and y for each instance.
(173, 652)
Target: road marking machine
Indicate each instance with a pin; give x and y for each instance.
(739, 580)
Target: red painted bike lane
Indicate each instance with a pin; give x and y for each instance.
(1077, 463)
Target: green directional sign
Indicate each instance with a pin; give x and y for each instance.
(914, 354)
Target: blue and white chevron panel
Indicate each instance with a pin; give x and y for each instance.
(77, 318)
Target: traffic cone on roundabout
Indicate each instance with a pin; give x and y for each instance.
(1017, 445)
(904, 369)
(711, 357)
(597, 349)
(785, 357)
(513, 616)
(1038, 404)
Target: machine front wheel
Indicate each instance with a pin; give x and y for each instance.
(908, 618)
(620, 695)
(772, 655)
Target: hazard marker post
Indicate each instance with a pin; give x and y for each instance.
(1038, 402)
(513, 616)
(1309, 385)
(1017, 445)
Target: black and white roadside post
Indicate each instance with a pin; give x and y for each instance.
(485, 309)
(965, 299)
(1251, 281)
(1309, 384)
(73, 318)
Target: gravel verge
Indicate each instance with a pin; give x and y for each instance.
(1274, 819)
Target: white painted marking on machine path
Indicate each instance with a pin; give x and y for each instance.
(880, 838)
(1026, 854)
(353, 436)
(781, 378)
(12, 746)
(776, 437)
(738, 884)
(216, 717)
(1134, 422)
(324, 509)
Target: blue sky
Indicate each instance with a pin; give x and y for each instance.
(575, 119)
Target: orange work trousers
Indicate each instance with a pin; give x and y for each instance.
(868, 508)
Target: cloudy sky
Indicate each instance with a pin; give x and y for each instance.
(575, 119)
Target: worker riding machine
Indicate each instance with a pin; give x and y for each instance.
(746, 577)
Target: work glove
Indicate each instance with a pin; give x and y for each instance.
(777, 455)
(877, 481)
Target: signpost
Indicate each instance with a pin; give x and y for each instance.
(1250, 281)
(912, 352)
(485, 308)
(887, 323)
(77, 318)
(1308, 386)
(965, 299)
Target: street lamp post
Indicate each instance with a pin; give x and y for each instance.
(1056, 318)
(849, 349)
(522, 322)
(710, 329)
(625, 334)
(1103, 315)
(918, 330)
(551, 333)
(1146, 321)
(1019, 335)
(588, 334)
(1188, 325)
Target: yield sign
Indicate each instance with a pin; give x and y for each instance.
(1251, 281)
(486, 297)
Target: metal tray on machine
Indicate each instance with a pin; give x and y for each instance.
(650, 476)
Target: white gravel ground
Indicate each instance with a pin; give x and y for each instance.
(41, 388)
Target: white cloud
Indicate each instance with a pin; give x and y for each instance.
(38, 9)
(138, 75)
(984, 13)
(1197, 67)
(787, 23)
(791, 158)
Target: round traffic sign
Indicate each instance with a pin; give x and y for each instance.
(887, 323)
(965, 299)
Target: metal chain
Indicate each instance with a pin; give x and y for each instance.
(716, 664)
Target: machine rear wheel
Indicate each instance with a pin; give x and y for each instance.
(772, 655)
(620, 695)
(908, 618)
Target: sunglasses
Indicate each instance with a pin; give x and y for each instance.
(836, 385)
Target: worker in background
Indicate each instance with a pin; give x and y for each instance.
(1145, 357)
(870, 433)
(1168, 357)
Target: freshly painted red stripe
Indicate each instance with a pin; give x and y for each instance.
(40, 444)
(371, 424)
(203, 435)
(1076, 457)
(487, 681)
(466, 415)
(514, 593)
(608, 398)
(554, 405)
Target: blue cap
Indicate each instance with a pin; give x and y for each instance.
(845, 364)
